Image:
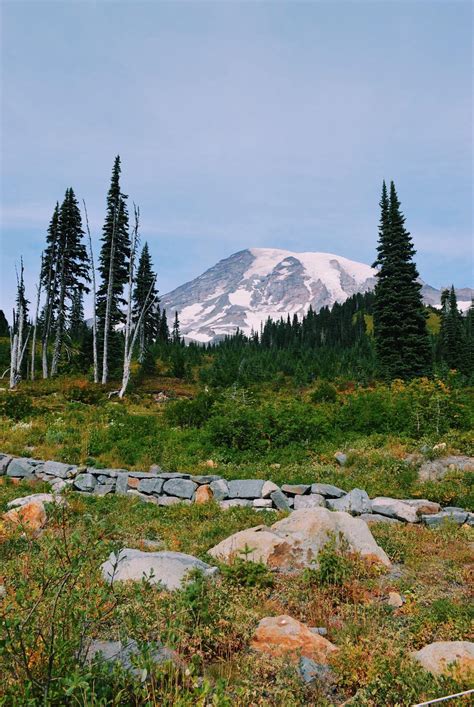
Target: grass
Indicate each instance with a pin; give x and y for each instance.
(210, 625)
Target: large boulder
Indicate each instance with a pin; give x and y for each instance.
(454, 515)
(437, 469)
(393, 508)
(63, 471)
(354, 502)
(30, 517)
(36, 498)
(21, 468)
(442, 656)
(182, 488)
(85, 482)
(295, 541)
(220, 489)
(284, 636)
(167, 568)
(327, 490)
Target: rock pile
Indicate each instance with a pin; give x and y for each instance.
(167, 488)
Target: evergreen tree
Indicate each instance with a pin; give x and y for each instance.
(72, 267)
(4, 328)
(176, 335)
(403, 348)
(49, 283)
(454, 345)
(113, 267)
(163, 330)
(76, 319)
(144, 289)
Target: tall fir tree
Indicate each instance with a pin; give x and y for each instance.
(77, 324)
(163, 329)
(176, 335)
(453, 333)
(403, 347)
(49, 283)
(72, 268)
(113, 267)
(144, 291)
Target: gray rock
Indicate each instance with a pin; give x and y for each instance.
(85, 482)
(311, 671)
(5, 460)
(341, 458)
(103, 479)
(170, 500)
(104, 489)
(436, 519)
(220, 489)
(128, 655)
(354, 502)
(156, 469)
(121, 486)
(470, 519)
(394, 508)
(36, 498)
(232, 502)
(311, 501)
(149, 486)
(327, 490)
(21, 468)
(167, 568)
(145, 498)
(58, 485)
(437, 469)
(201, 479)
(109, 473)
(142, 475)
(182, 488)
(63, 471)
(296, 489)
(268, 488)
(246, 488)
(280, 501)
(320, 630)
(262, 503)
(371, 518)
(173, 475)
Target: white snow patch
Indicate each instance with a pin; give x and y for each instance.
(240, 297)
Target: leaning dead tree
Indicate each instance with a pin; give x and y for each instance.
(17, 332)
(94, 314)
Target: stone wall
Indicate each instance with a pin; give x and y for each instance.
(167, 488)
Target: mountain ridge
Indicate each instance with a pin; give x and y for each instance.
(243, 290)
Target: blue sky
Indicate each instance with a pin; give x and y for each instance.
(240, 124)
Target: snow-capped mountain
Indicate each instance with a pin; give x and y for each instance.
(248, 287)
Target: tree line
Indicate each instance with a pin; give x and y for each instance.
(382, 333)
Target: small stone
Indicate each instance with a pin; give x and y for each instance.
(371, 518)
(145, 498)
(20, 468)
(211, 464)
(437, 519)
(246, 488)
(394, 508)
(327, 490)
(203, 495)
(205, 479)
(262, 503)
(268, 488)
(280, 501)
(423, 506)
(341, 458)
(63, 471)
(85, 482)
(232, 502)
(5, 460)
(183, 488)
(319, 629)
(355, 502)
(104, 489)
(155, 469)
(126, 654)
(220, 489)
(395, 600)
(150, 486)
(295, 489)
(311, 501)
(311, 671)
(133, 482)
(121, 485)
(168, 500)
(174, 475)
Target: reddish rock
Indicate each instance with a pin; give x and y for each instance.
(441, 657)
(203, 494)
(31, 516)
(285, 636)
(133, 482)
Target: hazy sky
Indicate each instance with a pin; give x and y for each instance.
(240, 124)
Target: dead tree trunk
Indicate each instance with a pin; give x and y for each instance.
(108, 303)
(94, 315)
(35, 326)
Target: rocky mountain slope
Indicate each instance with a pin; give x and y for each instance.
(242, 291)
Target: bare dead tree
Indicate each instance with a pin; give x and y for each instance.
(131, 268)
(94, 314)
(35, 326)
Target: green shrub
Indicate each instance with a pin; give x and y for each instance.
(324, 392)
(334, 566)
(246, 573)
(17, 406)
(81, 391)
(190, 413)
